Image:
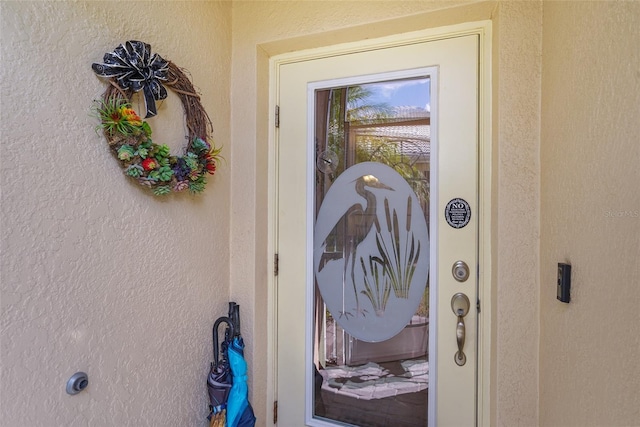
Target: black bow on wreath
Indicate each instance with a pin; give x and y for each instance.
(132, 65)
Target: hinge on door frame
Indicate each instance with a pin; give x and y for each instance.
(275, 264)
(477, 279)
(277, 117)
(275, 411)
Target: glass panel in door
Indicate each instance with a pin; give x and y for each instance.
(372, 253)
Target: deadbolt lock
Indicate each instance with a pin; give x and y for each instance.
(460, 271)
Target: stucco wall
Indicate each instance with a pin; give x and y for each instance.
(261, 29)
(590, 157)
(518, 77)
(97, 275)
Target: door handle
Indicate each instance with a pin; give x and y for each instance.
(460, 306)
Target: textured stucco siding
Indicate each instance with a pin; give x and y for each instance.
(98, 275)
(518, 78)
(590, 156)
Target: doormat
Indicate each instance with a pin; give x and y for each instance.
(373, 381)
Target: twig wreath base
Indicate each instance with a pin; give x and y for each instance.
(152, 165)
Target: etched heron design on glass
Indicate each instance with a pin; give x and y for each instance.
(356, 224)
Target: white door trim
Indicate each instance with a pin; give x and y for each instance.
(485, 268)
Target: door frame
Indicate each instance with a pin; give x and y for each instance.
(485, 384)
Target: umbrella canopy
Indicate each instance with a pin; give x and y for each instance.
(239, 411)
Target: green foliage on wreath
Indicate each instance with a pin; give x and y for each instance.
(152, 165)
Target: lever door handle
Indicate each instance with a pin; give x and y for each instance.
(460, 306)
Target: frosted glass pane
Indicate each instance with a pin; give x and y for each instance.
(373, 283)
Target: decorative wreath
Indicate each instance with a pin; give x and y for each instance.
(131, 68)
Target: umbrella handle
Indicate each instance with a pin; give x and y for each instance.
(234, 314)
(216, 340)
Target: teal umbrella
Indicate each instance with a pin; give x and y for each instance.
(239, 411)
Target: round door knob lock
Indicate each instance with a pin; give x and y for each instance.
(78, 382)
(460, 271)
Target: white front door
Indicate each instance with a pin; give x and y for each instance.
(377, 312)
